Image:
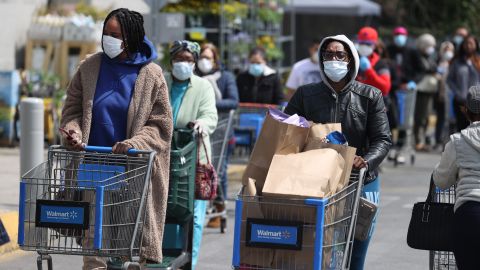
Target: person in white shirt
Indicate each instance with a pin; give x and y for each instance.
(460, 165)
(305, 71)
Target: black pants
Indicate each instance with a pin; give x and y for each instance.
(467, 240)
(462, 121)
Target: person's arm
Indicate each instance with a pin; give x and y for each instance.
(230, 100)
(278, 95)
(378, 132)
(72, 112)
(293, 82)
(446, 171)
(295, 105)
(380, 79)
(207, 114)
(156, 134)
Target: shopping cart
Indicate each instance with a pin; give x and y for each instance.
(248, 122)
(219, 142)
(443, 260)
(406, 109)
(177, 237)
(297, 233)
(89, 203)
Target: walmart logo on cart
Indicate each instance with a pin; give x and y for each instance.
(62, 215)
(273, 234)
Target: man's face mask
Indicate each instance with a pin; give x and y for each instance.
(365, 50)
(335, 70)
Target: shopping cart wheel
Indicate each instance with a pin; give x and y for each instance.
(223, 225)
(40, 259)
(127, 265)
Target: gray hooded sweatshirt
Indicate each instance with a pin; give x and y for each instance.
(460, 164)
(352, 74)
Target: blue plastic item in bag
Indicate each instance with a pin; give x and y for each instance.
(336, 137)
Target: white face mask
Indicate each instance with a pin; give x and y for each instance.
(182, 70)
(205, 65)
(335, 70)
(448, 55)
(430, 50)
(365, 50)
(112, 46)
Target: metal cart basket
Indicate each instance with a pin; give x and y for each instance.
(219, 142)
(443, 260)
(88, 203)
(281, 233)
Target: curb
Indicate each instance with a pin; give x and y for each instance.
(10, 222)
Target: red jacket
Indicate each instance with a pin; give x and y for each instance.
(378, 75)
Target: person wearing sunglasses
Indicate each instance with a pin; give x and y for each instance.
(359, 107)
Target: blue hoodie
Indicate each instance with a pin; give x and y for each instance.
(114, 91)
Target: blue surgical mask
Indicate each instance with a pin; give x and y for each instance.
(256, 70)
(457, 40)
(335, 70)
(400, 40)
(182, 70)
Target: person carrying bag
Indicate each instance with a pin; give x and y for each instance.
(459, 165)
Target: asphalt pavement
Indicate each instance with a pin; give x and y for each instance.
(401, 187)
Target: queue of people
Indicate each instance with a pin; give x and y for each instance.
(339, 82)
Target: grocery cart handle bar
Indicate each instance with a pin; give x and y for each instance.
(105, 149)
(258, 105)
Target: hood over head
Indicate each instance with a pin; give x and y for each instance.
(472, 135)
(353, 67)
(146, 54)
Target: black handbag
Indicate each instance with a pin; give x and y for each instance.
(431, 225)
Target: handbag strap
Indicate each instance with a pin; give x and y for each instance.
(431, 190)
(202, 142)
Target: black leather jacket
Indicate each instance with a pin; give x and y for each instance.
(360, 110)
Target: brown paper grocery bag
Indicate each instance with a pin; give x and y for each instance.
(322, 130)
(347, 152)
(313, 174)
(275, 138)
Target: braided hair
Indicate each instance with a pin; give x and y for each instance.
(131, 24)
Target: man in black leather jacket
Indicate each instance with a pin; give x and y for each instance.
(358, 107)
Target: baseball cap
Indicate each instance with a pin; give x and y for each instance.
(400, 30)
(473, 99)
(368, 35)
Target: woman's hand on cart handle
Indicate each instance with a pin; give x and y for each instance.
(72, 139)
(359, 163)
(121, 148)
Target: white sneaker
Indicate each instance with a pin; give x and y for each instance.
(401, 159)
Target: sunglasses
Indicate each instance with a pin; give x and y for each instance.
(338, 55)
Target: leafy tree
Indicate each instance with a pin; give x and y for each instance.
(439, 17)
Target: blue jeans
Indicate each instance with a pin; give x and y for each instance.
(200, 210)
(371, 192)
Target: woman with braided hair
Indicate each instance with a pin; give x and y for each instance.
(119, 98)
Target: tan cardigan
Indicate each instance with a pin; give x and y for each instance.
(149, 126)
